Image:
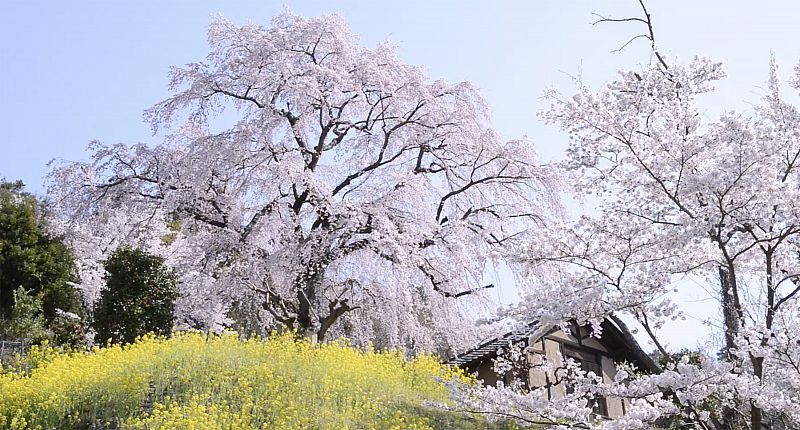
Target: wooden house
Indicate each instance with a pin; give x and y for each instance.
(596, 354)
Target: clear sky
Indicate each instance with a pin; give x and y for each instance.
(78, 70)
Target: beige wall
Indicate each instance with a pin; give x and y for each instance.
(552, 351)
(613, 404)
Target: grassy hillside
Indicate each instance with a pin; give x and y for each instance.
(196, 381)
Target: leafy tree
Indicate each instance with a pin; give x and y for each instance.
(26, 320)
(350, 187)
(33, 264)
(139, 297)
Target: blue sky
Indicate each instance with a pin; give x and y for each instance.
(73, 71)
(80, 70)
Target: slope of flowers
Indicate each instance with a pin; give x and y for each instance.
(197, 381)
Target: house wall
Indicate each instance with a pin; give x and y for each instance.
(614, 404)
(552, 352)
(551, 347)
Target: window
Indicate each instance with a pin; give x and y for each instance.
(590, 361)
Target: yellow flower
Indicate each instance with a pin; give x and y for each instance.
(205, 381)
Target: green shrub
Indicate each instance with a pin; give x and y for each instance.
(139, 297)
(26, 321)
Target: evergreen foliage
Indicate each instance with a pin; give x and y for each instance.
(139, 297)
(37, 271)
(26, 320)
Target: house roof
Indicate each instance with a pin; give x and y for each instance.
(490, 348)
(623, 348)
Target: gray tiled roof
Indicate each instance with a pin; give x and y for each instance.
(489, 348)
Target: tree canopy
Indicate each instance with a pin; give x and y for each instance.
(684, 197)
(342, 189)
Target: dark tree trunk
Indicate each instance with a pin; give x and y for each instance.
(731, 318)
(306, 286)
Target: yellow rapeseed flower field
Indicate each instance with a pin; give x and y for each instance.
(203, 381)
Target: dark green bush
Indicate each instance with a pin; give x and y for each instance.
(139, 297)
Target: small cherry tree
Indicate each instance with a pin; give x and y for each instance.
(682, 196)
